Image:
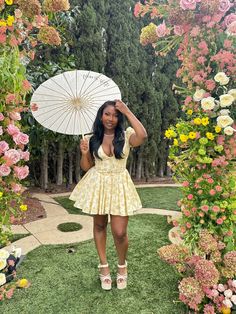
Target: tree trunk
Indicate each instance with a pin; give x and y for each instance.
(77, 164)
(44, 166)
(161, 169)
(60, 157)
(70, 170)
(139, 167)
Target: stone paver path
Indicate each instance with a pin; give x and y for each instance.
(44, 231)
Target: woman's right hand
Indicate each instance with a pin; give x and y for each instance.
(84, 146)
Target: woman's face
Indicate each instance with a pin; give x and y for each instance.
(110, 118)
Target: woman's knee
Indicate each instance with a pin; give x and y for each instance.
(100, 224)
(120, 235)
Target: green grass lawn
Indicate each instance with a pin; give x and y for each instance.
(157, 197)
(63, 282)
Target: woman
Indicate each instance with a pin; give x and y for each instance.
(107, 187)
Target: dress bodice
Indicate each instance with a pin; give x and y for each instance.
(111, 164)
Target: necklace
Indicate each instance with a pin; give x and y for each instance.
(109, 134)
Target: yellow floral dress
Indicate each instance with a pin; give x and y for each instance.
(107, 187)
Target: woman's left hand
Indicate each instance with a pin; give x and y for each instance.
(122, 107)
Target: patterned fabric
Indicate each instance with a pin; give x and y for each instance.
(107, 187)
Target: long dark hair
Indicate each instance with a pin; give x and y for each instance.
(98, 133)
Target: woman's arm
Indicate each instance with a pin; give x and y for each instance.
(140, 134)
(86, 161)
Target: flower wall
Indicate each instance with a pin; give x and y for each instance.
(23, 25)
(202, 143)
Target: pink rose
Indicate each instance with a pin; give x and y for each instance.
(26, 85)
(21, 138)
(21, 172)
(221, 287)
(229, 19)
(3, 147)
(200, 192)
(12, 129)
(218, 188)
(224, 6)
(15, 115)
(185, 184)
(24, 155)
(216, 209)
(219, 221)
(10, 98)
(212, 192)
(188, 4)
(4, 170)
(1, 117)
(16, 187)
(188, 225)
(162, 30)
(178, 30)
(190, 197)
(205, 208)
(12, 156)
(34, 107)
(231, 30)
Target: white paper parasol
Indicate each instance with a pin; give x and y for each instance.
(68, 103)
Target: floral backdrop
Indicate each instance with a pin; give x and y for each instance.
(23, 26)
(202, 144)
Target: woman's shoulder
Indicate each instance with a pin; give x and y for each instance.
(128, 132)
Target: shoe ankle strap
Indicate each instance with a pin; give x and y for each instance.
(103, 265)
(123, 266)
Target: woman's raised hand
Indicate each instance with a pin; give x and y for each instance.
(84, 146)
(121, 106)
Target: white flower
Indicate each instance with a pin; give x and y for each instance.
(227, 303)
(234, 283)
(198, 95)
(221, 287)
(3, 264)
(224, 112)
(221, 78)
(208, 103)
(229, 130)
(4, 254)
(228, 293)
(224, 121)
(17, 252)
(226, 100)
(233, 93)
(233, 298)
(2, 279)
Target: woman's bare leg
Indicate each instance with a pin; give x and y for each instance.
(119, 231)
(100, 236)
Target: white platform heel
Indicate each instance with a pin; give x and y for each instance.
(105, 279)
(121, 280)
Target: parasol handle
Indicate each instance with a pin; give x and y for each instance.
(82, 136)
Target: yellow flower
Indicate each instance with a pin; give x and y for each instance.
(205, 121)
(23, 207)
(210, 136)
(190, 112)
(10, 20)
(176, 143)
(218, 129)
(197, 121)
(9, 2)
(1, 194)
(3, 23)
(170, 133)
(177, 125)
(23, 283)
(192, 135)
(183, 138)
